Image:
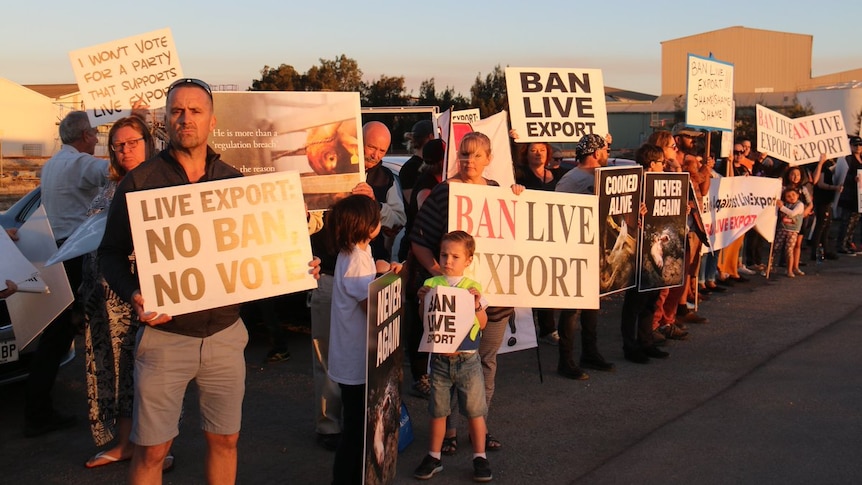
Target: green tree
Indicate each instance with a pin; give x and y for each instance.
(340, 74)
(281, 78)
(490, 95)
(385, 91)
(447, 99)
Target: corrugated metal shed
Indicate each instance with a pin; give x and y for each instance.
(764, 61)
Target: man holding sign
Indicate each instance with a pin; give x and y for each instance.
(459, 370)
(206, 345)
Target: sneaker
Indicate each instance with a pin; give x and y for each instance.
(277, 356)
(481, 470)
(422, 387)
(745, 270)
(672, 332)
(429, 467)
(552, 338)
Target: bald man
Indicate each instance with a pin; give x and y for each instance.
(387, 192)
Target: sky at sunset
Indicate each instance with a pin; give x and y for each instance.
(453, 42)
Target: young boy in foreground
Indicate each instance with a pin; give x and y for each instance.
(460, 371)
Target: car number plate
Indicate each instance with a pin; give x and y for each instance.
(8, 351)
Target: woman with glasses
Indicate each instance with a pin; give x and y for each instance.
(111, 323)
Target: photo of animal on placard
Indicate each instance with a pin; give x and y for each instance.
(317, 134)
(662, 258)
(618, 255)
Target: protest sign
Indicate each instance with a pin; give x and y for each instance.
(799, 141)
(520, 332)
(709, 94)
(619, 191)
(14, 266)
(383, 379)
(819, 133)
(85, 239)
(453, 126)
(211, 244)
(115, 76)
(663, 234)
(318, 134)
(447, 318)
(537, 249)
(31, 312)
(556, 104)
(494, 127)
(736, 204)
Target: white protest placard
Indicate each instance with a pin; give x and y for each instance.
(32, 312)
(454, 125)
(211, 244)
(448, 318)
(556, 104)
(114, 76)
(14, 266)
(799, 141)
(520, 332)
(774, 133)
(85, 239)
(736, 204)
(709, 94)
(537, 249)
(495, 128)
(819, 133)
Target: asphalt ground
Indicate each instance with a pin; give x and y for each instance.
(768, 392)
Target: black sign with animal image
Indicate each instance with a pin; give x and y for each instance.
(619, 191)
(663, 232)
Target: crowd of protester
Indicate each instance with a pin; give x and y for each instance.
(356, 242)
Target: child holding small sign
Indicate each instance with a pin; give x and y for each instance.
(461, 370)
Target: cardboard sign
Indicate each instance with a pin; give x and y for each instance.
(520, 332)
(32, 312)
(211, 244)
(115, 76)
(799, 141)
(556, 104)
(448, 318)
(709, 94)
(317, 134)
(619, 191)
(14, 266)
(85, 239)
(383, 379)
(537, 249)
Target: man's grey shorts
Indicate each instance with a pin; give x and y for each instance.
(166, 362)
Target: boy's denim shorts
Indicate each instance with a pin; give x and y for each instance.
(461, 373)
